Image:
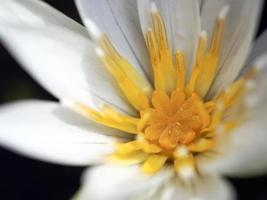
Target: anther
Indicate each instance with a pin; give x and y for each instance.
(94, 31)
(181, 151)
(99, 52)
(153, 8)
(187, 173)
(261, 63)
(224, 12)
(250, 84)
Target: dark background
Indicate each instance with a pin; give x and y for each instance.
(25, 179)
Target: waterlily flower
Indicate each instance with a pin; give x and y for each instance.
(162, 98)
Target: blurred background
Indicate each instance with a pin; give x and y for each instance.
(22, 178)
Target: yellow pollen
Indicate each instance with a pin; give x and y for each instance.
(176, 121)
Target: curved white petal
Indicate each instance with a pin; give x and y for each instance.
(65, 63)
(206, 188)
(256, 94)
(239, 32)
(182, 21)
(243, 154)
(37, 13)
(259, 48)
(119, 20)
(119, 182)
(50, 132)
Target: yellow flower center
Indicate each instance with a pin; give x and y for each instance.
(176, 121)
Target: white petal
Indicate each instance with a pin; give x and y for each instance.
(65, 63)
(182, 19)
(256, 94)
(119, 182)
(206, 188)
(259, 48)
(36, 13)
(244, 152)
(50, 132)
(119, 20)
(238, 35)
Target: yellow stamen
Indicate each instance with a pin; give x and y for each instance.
(185, 167)
(201, 145)
(128, 159)
(232, 94)
(123, 64)
(181, 67)
(160, 54)
(210, 106)
(216, 116)
(136, 95)
(144, 117)
(154, 163)
(109, 117)
(192, 81)
(150, 148)
(208, 66)
(129, 147)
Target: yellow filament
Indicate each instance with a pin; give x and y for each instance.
(159, 83)
(108, 48)
(232, 94)
(133, 85)
(128, 159)
(159, 30)
(123, 64)
(129, 147)
(181, 67)
(184, 163)
(192, 81)
(110, 118)
(203, 113)
(160, 55)
(201, 50)
(154, 163)
(210, 106)
(136, 96)
(216, 117)
(201, 145)
(202, 43)
(150, 148)
(209, 62)
(145, 115)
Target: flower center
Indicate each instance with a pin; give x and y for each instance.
(176, 122)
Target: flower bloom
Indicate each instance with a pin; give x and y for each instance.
(164, 94)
